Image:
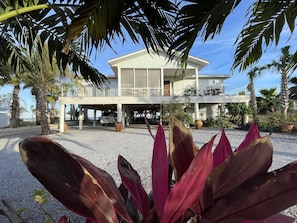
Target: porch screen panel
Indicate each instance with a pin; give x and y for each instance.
(140, 78)
(154, 78)
(127, 82)
(127, 78)
(154, 82)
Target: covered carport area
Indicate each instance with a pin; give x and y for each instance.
(126, 107)
(132, 113)
(135, 113)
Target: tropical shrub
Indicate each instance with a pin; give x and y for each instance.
(237, 111)
(178, 110)
(274, 121)
(188, 184)
(219, 122)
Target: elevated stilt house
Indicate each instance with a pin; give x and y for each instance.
(143, 82)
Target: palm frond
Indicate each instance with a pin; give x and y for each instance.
(102, 21)
(49, 25)
(264, 26)
(199, 18)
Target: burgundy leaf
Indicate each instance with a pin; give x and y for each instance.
(160, 172)
(222, 151)
(240, 166)
(205, 200)
(108, 185)
(66, 179)
(182, 147)
(190, 186)
(251, 136)
(131, 208)
(258, 198)
(131, 180)
(277, 218)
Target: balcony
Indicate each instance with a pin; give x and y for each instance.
(211, 90)
(204, 90)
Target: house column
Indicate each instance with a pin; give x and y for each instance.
(196, 105)
(197, 116)
(119, 112)
(119, 81)
(124, 115)
(162, 82)
(80, 117)
(94, 121)
(62, 117)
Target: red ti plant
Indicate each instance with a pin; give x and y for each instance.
(208, 186)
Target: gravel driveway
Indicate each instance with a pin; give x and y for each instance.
(102, 145)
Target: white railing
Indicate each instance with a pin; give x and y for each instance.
(141, 92)
(211, 90)
(204, 90)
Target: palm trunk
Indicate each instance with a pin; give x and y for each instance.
(15, 108)
(45, 128)
(284, 103)
(251, 88)
(53, 112)
(37, 113)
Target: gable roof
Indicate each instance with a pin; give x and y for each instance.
(192, 61)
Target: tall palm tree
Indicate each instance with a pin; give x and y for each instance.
(15, 107)
(42, 78)
(284, 65)
(12, 74)
(252, 74)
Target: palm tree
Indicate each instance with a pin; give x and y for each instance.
(40, 75)
(284, 65)
(13, 76)
(268, 100)
(69, 83)
(252, 74)
(15, 107)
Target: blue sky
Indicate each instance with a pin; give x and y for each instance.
(219, 52)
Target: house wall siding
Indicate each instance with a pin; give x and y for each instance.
(180, 86)
(151, 61)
